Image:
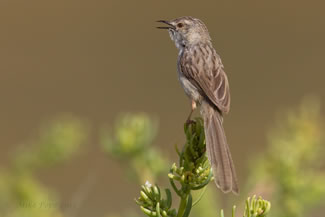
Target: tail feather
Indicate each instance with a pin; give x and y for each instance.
(218, 150)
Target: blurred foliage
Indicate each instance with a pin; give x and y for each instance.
(21, 194)
(133, 134)
(56, 143)
(291, 171)
(209, 202)
(131, 142)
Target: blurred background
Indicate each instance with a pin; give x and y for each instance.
(77, 77)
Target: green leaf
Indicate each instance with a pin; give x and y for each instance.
(158, 209)
(169, 198)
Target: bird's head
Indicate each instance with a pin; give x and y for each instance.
(186, 31)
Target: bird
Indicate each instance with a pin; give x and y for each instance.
(202, 76)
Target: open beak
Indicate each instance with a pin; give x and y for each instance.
(170, 26)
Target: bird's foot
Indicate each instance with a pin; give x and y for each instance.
(189, 122)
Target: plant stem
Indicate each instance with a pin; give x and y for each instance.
(182, 206)
(183, 203)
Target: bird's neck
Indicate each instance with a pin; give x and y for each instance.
(194, 46)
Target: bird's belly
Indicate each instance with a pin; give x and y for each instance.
(190, 90)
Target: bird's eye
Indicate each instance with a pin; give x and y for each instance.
(180, 25)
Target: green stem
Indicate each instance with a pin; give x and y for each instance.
(182, 206)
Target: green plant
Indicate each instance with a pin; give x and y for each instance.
(192, 173)
(21, 193)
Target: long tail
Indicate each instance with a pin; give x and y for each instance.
(218, 150)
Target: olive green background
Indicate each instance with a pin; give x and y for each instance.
(96, 59)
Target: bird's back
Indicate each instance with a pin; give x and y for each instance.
(203, 69)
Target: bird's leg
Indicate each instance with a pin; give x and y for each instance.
(193, 107)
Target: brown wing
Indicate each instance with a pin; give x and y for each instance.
(203, 67)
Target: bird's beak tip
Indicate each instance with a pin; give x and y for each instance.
(162, 21)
